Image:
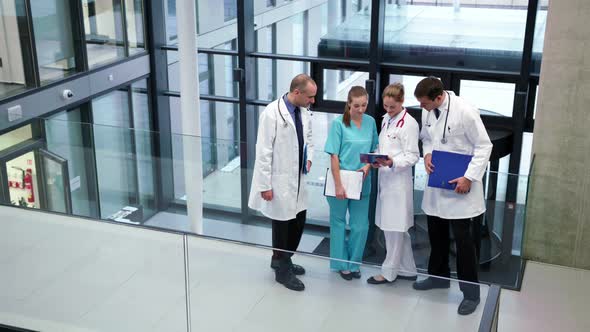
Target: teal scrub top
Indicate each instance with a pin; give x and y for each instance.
(349, 142)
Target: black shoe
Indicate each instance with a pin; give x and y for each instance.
(356, 274)
(290, 281)
(374, 281)
(467, 306)
(346, 276)
(297, 270)
(431, 283)
(414, 278)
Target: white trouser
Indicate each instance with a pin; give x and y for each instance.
(399, 259)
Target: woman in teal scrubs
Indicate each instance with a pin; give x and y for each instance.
(350, 134)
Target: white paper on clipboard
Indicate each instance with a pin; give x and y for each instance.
(352, 181)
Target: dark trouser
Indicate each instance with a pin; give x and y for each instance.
(286, 235)
(467, 262)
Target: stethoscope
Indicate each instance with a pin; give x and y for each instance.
(399, 124)
(444, 139)
(285, 124)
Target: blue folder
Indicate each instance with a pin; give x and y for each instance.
(447, 166)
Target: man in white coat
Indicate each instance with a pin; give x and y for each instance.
(394, 213)
(284, 151)
(449, 123)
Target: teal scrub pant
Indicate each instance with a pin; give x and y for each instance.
(353, 248)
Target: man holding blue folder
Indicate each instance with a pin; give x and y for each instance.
(453, 129)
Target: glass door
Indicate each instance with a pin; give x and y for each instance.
(55, 182)
(35, 178)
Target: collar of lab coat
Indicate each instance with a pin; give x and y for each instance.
(285, 112)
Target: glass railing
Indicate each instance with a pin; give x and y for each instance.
(63, 273)
(195, 186)
(141, 177)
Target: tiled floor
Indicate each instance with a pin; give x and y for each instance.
(552, 298)
(69, 274)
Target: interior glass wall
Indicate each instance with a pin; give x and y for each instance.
(12, 63)
(103, 24)
(69, 137)
(486, 35)
(135, 28)
(54, 38)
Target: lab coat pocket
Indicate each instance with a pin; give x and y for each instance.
(280, 186)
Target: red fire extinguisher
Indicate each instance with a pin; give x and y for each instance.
(29, 186)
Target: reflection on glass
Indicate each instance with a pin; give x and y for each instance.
(104, 31)
(65, 134)
(135, 28)
(337, 83)
(492, 98)
(144, 141)
(15, 137)
(55, 190)
(171, 23)
(220, 153)
(274, 76)
(308, 28)
(489, 35)
(318, 209)
(12, 66)
(54, 40)
(215, 74)
(216, 24)
(114, 153)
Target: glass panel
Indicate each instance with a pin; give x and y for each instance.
(409, 82)
(135, 28)
(486, 36)
(274, 76)
(145, 143)
(115, 164)
(337, 83)
(23, 180)
(318, 212)
(104, 31)
(215, 74)
(332, 28)
(492, 98)
(54, 180)
(69, 138)
(15, 136)
(539, 39)
(52, 24)
(12, 66)
(220, 152)
(217, 25)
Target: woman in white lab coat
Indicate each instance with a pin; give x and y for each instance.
(395, 203)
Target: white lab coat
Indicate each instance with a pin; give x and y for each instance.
(277, 163)
(395, 200)
(465, 134)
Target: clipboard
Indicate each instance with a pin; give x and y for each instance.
(447, 166)
(351, 180)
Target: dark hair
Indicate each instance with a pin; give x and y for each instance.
(300, 82)
(395, 91)
(355, 92)
(430, 87)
